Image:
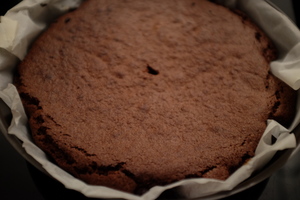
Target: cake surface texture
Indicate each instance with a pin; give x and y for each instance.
(130, 94)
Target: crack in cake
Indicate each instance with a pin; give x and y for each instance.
(131, 94)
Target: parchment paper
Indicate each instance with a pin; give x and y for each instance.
(23, 23)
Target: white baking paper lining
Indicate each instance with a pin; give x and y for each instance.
(23, 23)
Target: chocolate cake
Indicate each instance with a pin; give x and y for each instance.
(130, 94)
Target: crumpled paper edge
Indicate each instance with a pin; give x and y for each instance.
(7, 32)
(36, 14)
(188, 188)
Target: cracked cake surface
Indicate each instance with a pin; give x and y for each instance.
(130, 94)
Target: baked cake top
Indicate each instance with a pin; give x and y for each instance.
(130, 94)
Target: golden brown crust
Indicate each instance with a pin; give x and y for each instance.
(131, 94)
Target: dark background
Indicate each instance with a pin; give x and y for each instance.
(19, 180)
